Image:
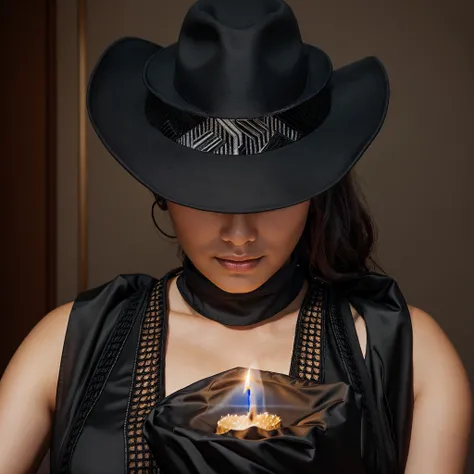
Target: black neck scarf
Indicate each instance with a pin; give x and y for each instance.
(242, 309)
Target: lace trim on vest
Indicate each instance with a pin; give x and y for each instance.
(145, 385)
(307, 359)
(104, 367)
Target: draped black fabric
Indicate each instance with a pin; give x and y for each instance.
(89, 434)
(378, 299)
(318, 422)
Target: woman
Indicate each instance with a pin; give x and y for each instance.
(247, 137)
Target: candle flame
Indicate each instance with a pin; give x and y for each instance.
(247, 382)
(250, 406)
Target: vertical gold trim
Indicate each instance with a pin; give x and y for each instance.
(82, 185)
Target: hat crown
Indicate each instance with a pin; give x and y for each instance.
(232, 52)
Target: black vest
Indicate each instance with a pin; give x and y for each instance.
(112, 368)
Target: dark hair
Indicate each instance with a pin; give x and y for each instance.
(339, 236)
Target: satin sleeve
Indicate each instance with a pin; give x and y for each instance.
(92, 318)
(389, 360)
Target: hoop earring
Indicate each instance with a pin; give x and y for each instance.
(156, 225)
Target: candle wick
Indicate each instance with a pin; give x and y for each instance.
(250, 408)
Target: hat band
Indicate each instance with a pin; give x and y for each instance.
(224, 136)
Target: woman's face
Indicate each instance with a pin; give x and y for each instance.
(238, 252)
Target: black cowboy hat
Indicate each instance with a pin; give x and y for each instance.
(239, 115)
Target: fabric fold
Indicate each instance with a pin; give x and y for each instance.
(378, 299)
(318, 422)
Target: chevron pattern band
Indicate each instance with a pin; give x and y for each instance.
(237, 136)
(241, 136)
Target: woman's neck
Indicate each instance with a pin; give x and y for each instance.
(280, 295)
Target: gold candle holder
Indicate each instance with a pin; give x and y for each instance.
(265, 421)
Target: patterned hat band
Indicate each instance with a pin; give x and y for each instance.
(224, 136)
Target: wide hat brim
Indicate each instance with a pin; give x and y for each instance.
(275, 179)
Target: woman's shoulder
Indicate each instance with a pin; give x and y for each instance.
(36, 361)
(442, 399)
(27, 390)
(40, 353)
(43, 348)
(76, 320)
(435, 360)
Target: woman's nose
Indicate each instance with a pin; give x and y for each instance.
(238, 229)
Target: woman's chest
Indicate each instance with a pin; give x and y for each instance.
(197, 348)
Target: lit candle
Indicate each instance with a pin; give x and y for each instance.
(265, 421)
(250, 407)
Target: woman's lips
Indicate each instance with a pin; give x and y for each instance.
(239, 265)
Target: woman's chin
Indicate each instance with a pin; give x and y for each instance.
(238, 283)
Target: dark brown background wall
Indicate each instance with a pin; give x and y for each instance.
(417, 175)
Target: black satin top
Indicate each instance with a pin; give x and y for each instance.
(343, 414)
